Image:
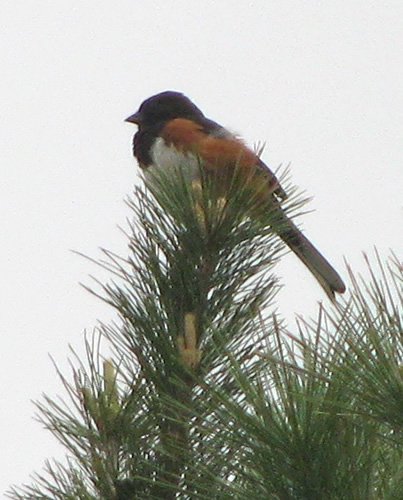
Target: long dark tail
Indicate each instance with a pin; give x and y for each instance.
(326, 275)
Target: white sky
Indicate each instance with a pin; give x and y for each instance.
(320, 82)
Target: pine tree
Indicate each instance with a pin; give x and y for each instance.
(205, 394)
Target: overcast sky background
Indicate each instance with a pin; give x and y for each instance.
(320, 82)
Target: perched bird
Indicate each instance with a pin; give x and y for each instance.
(173, 131)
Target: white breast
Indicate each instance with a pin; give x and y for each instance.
(169, 158)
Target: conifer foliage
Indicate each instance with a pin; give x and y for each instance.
(204, 393)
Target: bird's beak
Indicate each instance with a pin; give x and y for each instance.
(136, 118)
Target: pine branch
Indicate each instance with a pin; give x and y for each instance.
(204, 393)
(188, 296)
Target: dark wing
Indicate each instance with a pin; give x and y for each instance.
(219, 149)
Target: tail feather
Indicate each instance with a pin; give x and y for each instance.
(326, 275)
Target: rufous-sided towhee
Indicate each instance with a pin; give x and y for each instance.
(172, 131)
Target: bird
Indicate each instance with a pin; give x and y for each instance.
(173, 131)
